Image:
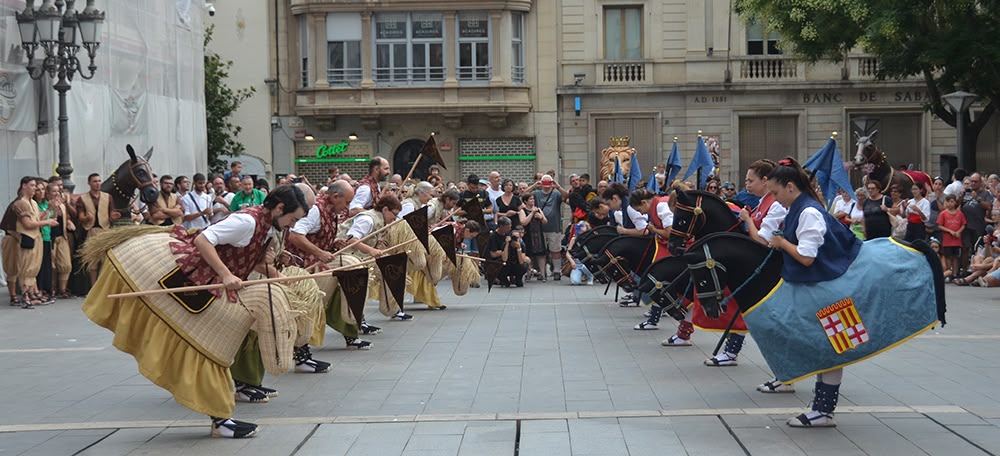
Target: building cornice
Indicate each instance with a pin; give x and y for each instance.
(332, 6)
(741, 87)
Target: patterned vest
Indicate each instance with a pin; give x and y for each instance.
(100, 212)
(325, 238)
(654, 217)
(239, 260)
(367, 181)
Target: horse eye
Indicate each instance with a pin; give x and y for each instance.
(702, 283)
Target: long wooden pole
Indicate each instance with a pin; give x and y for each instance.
(414, 167)
(369, 236)
(215, 286)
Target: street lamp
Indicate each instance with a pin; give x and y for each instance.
(60, 31)
(960, 102)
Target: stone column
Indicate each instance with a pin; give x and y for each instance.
(366, 50)
(319, 55)
(450, 50)
(498, 50)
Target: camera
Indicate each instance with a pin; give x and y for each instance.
(211, 8)
(297, 180)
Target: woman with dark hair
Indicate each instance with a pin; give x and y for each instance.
(917, 210)
(876, 219)
(509, 205)
(816, 248)
(532, 220)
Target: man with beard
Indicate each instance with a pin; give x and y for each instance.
(167, 210)
(314, 238)
(579, 194)
(368, 192)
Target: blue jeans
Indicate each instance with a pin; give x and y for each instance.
(577, 274)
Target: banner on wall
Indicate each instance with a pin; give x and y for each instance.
(18, 103)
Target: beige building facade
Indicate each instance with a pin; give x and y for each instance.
(376, 78)
(527, 85)
(659, 69)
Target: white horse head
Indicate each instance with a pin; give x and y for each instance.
(863, 142)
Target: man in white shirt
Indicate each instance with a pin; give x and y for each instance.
(956, 187)
(197, 204)
(368, 192)
(493, 190)
(221, 198)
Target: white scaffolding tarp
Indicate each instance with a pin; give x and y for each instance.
(148, 91)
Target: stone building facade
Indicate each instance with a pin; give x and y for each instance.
(480, 74)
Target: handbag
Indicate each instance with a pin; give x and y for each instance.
(27, 242)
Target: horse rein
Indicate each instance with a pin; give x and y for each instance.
(713, 267)
(138, 184)
(662, 288)
(692, 227)
(628, 277)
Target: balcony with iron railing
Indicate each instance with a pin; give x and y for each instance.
(517, 74)
(343, 76)
(402, 76)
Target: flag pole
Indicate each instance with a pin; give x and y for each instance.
(697, 185)
(413, 168)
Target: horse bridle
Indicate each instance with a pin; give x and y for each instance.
(662, 288)
(713, 267)
(628, 277)
(697, 212)
(139, 185)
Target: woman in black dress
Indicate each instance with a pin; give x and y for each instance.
(509, 204)
(876, 219)
(532, 220)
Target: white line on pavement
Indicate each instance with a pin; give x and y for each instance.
(50, 350)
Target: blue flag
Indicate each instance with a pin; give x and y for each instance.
(702, 160)
(673, 166)
(829, 169)
(653, 185)
(617, 178)
(634, 174)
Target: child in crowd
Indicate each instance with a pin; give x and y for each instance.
(952, 223)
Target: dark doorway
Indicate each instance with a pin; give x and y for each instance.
(406, 154)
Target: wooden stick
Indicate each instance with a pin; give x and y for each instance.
(414, 167)
(215, 286)
(373, 233)
(474, 258)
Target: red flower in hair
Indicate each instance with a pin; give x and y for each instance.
(785, 162)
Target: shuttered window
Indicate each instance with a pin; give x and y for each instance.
(771, 137)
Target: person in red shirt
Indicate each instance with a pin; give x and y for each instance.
(952, 223)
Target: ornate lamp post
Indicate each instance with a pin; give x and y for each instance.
(960, 102)
(59, 31)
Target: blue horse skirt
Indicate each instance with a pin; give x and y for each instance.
(885, 298)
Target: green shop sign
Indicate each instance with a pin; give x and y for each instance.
(328, 150)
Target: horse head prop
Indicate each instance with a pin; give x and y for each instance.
(625, 259)
(728, 260)
(667, 282)
(697, 213)
(133, 174)
(588, 245)
(867, 152)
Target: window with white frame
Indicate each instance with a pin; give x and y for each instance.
(623, 32)
(304, 50)
(760, 41)
(517, 48)
(409, 47)
(343, 48)
(474, 46)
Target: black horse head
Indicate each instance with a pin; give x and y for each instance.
(625, 259)
(667, 281)
(588, 245)
(698, 213)
(728, 260)
(133, 174)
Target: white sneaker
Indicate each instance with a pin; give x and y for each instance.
(723, 359)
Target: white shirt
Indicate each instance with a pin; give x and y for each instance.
(665, 214)
(810, 232)
(362, 198)
(858, 212)
(407, 208)
(924, 205)
(617, 217)
(193, 203)
(956, 188)
(362, 226)
(772, 221)
(839, 205)
(640, 221)
(236, 230)
(308, 224)
(218, 210)
(493, 195)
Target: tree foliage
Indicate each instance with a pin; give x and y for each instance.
(221, 102)
(948, 43)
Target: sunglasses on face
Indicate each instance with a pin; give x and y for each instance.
(712, 187)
